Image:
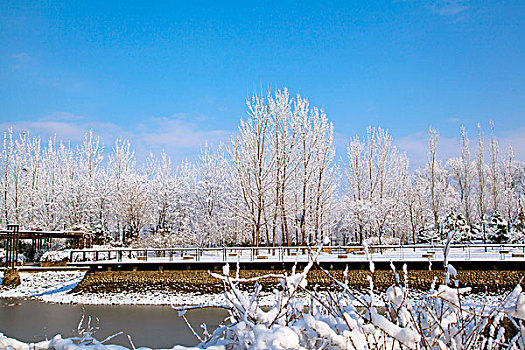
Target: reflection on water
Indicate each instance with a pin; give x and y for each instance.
(152, 326)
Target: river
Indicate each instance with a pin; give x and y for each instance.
(151, 326)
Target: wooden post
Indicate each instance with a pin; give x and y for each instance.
(12, 246)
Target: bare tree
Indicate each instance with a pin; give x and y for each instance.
(370, 172)
(481, 173)
(121, 165)
(253, 161)
(7, 155)
(433, 137)
(494, 169)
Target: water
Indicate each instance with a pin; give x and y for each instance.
(151, 326)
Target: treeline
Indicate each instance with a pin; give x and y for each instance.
(275, 182)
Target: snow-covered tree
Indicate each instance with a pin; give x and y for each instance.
(253, 160)
(213, 197)
(414, 201)
(495, 179)
(374, 174)
(275, 183)
(517, 233)
(498, 230)
(456, 228)
(510, 173)
(482, 172)
(462, 172)
(126, 205)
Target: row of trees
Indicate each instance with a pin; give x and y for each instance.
(276, 182)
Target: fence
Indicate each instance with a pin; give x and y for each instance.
(303, 253)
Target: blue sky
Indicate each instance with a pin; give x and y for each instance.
(172, 74)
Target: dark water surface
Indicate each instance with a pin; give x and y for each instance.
(151, 326)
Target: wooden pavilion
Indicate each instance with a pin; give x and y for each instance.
(12, 236)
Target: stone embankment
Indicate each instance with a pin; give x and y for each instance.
(203, 282)
(11, 278)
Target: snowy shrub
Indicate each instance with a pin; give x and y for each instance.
(385, 240)
(517, 234)
(21, 257)
(58, 244)
(457, 227)
(343, 320)
(476, 232)
(55, 256)
(498, 229)
(428, 236)
(301, 318)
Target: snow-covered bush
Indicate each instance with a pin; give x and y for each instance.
(456, 226)
(428, 236)
(385, 240)
(517, 233)
(498, 230)
(55, 256)
(301, 318)
(21, 258)
(476, 232)
(343, 320)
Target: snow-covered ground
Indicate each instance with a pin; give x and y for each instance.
(43, 284)
(54, 287)
(252, 327)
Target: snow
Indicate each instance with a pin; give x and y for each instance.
(294, 321)
(374, 254)
(407, 337)
(293, 317)
(55, 256)
(515, 304)
(54, 287)
(49, 284)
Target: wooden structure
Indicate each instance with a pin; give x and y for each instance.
(13, 235)
(416, 257)
(11, 246)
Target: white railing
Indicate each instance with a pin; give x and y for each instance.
(303, 253)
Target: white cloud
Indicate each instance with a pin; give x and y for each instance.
(516, 139)
(449, 7)
(416, 146)
(182, 136)
(20, 59)
(65, 126)
(178, 135)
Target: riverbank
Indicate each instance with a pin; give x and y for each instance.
(57, 287)
(202, 282)
(199, 287)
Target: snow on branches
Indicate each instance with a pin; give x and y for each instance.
(276, 182)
